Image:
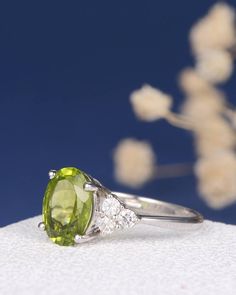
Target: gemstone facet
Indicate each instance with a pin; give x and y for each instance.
(67, 207)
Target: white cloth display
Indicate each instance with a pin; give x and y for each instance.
(143, 260)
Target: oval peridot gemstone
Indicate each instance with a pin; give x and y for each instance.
(67, 207)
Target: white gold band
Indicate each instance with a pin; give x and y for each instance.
(161, 214)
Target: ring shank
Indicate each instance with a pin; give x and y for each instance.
(159, 213)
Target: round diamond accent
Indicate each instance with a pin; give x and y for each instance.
(111, 207)
(127, 219)
(106, 225)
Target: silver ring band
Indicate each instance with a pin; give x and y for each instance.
(159, 213)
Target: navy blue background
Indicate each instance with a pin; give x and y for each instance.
(66, 71)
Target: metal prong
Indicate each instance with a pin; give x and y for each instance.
(41, 226)
(90, 187)
(82, 239)
(78, 239)
(52, 174)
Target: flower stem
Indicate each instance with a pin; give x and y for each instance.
(173, 170)
(179, 121)
(231, 115)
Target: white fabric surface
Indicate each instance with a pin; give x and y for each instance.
(141, 261)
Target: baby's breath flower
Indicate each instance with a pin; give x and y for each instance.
(150, 104)
(214, 135)
(134, 162)
(215, 66)
(192, 83)
(217, 179)
(215, 31)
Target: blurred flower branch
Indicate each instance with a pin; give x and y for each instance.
(205, 112)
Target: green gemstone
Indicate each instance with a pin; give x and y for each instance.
(67, 207)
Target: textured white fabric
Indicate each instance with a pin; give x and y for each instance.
(141, 261)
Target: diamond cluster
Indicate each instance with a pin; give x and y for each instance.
(113, 216)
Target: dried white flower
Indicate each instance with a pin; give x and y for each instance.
(215, 66)
(214, 135)
(214, 31)
(134, 162)
(217, 179)
(150, 104)
(200, 107)
(192, 83)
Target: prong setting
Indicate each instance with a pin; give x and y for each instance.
(78, 239)
(52, 174)
(82, 239)
(90, 187)
(41, 226)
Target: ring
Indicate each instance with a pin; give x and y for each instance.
(78, 208)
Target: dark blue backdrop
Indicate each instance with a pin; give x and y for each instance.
(66, 71)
